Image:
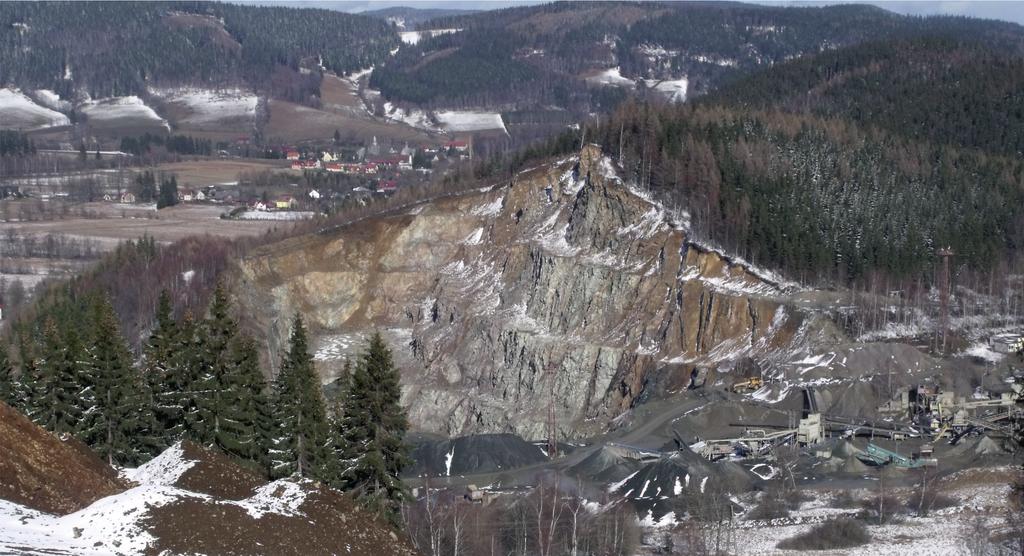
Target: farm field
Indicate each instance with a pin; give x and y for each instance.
(196, 173)
(291, 122)
(123, 222)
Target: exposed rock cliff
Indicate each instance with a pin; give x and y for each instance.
(562, 284)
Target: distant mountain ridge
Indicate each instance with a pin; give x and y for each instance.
(545, 54)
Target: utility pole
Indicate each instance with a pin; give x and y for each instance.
(944, 286)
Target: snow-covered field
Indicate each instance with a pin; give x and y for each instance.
(276, 215)
(18, 111)
(119, 109)
(458, 120)
(674, 89)
(211, 106)
(413, 37)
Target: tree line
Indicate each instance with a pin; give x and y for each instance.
(201, 379)
(180, 144)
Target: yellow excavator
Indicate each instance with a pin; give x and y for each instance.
(748, 385)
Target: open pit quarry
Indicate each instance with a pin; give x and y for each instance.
(560, 286)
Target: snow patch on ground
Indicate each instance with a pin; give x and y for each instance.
(615, 487)
(111, 525)
(18, 111)
(164, 469)
(282, 497)
(667, 520)
(414, 37)
(983, 351)
(611, 77)
(466, 120)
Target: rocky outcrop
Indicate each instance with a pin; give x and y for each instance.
(563, 287)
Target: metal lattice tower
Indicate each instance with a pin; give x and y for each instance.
(944, 287)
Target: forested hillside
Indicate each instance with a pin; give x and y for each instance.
(109, 49)
(944, 90)
(544, 54)
(826, 201)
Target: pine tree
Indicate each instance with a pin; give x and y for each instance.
(374, 425)
(245, 423)
(300, 418)
(123, 426)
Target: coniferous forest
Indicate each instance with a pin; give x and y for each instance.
(114, 49)
(200, 377)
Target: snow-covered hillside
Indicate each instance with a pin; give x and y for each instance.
(130, 109)
(206, 106)
(18, 111)
(463, 120)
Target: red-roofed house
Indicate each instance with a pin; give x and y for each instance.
(292, 155)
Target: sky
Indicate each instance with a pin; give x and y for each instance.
(1006, 10)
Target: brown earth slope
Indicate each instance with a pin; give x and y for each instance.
(42, 472)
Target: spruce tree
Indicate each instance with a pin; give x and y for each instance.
(159, 357)
(60, 397)
(218, 330)
(300, 418)
(123, 426)
(189, 372)
(374, 425)
(245, 422)
(8, 382)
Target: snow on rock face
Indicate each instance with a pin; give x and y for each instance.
(573, 267)
(464, 120)
(120, 109)
(18, 111)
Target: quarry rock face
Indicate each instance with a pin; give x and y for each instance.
(561, 286)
